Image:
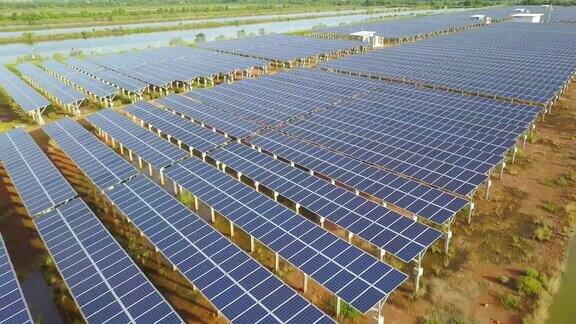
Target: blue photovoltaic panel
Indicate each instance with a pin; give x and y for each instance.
(13, 307)
(496, 60)
(23, 94)
(281, 47)
(270, 100)
(212, 117)
(112, 77)
(355, 276)
(86, 82)
(102, 165)
(162, 66)
(64, 93)
(103, 280)
(143, 143)
(430, 203)
(386, 229)
(35, 178)
(241, 289)
(189, 133)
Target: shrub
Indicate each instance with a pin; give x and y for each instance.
(510, 302)
(543, 233)
(532, 273)
(528, 286)
(549, 207)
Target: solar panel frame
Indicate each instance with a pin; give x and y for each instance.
(293, 237)
(103, 166)
(143, 143)
(90, 264)
(190, 232)
(24, 95)
(13, 307)
(39, 184)
(359, 216)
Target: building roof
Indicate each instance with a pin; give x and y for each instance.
(363, 33)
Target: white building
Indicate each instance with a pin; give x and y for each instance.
(364, 35)
(527, 17)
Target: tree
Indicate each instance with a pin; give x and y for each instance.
(28, 37)
(200, 37)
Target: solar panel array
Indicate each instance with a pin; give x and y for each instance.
(424, 201)
(163, 66)
(499, 60)
(241, 289)
(105, 283)
(35, 178)
(104, 167)
(214, 118)
(62, 92)
(355, 276)
(23, 94)
(114, 78)
(103, 280)
(193, 135)
(148, 146)
(86, 82)
(237, 286)
(281, 47)
(561, 14)
(374, 223)
(13, 307)
(272, 100)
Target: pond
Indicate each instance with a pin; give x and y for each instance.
(563, 310)
(99, 45)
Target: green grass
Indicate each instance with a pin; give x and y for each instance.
(346, 311)
(549, 207)
(510, 302)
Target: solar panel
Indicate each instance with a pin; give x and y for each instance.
(208, 116)
(427, 202)
(143, 143)
(281, 47)
(90, 84)
(36, 179)
(163, 66)
(105, 283)
(271, 100)
(112, 77)
(13, 307)
(103, 166)
(386, 229)
(63, 93)
(241, 289)
(353, 275)
(24, 95)
(191, 134)
(495, 61)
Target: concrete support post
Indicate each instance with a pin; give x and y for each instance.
(275, 196)
(524, 141)
(382, 254)
(488, 185)
(447, 237)
(196, 203)
(130, 155)
(502, 170)
(179, 144)
(514, 154)
(418, 272)
(150, 171)
(251, 244)
(257, 185)
(322, 219)
(239, 176)
(333, 182)
(175, 187)
(338, 302)
(191, 151)
(470, 212)
(311, 172)
(305, 285)
(350, 236)
(231, 229)
(297, 208)
(113, 143)
(212, 215)
(140, 162)
(276, 262)
(162, 181)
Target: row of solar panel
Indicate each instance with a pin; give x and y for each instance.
(254, 212)
(23, 94)
(236, 285)
(104, 282)
(496, 60)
